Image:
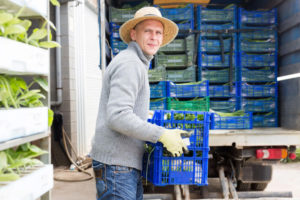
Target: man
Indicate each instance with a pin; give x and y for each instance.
(122, 127)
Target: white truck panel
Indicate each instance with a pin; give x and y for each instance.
(254, 137)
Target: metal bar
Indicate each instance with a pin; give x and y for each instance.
(186, 192)
(232, 189)
(224, 183)
(158, 196)
(177, 192)
(287, 194)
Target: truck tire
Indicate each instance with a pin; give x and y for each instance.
(243, 186)
(259, 186)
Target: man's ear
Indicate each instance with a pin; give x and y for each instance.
(133, 34)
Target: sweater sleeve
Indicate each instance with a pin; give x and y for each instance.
(125, 80)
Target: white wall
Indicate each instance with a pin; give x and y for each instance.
(93, 75)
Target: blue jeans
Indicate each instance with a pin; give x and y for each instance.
(115, 182)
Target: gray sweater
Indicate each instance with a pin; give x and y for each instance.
(122, 127)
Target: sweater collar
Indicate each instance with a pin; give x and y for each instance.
(144, 58)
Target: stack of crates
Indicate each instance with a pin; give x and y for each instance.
(217, 55)
(161, 168)
(117, 16)
(158, 96)
(177, 58)
(188, 96)
(258, 65)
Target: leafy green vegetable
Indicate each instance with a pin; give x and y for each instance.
(16, 29)
(55, 2)
(14, 92)
(12, 160)
(237, 113)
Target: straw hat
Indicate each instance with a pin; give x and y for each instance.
(170, 28)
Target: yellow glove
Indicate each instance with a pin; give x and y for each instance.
(173, 142)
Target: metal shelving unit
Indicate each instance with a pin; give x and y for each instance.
(20, 59)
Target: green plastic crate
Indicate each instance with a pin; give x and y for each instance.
(120, 15)
(178, 60)
(180, 45)
(201, 104)
(186, 75)
(156, 75)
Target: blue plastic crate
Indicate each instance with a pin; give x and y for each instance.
(185, 28)
(265, 120)
(222, 90)
(259, 105)
(258, 46)
(209, 29)
(258, 33)
(250, 90)
(117, 46)
(223, 105)
(114, 30)
(199, 89)
(254, 18)
(158, 90)
(258, 60)
(235, 122)
(214, 45)
(190, 169)
(195, 121)
(211, 60)
(178, 14)
(162, 170)
(216, 15)
(158, 104)
(259, 75)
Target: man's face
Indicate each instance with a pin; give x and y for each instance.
(149, 35)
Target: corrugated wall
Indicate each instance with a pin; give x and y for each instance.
(289, 63)
(289, 58)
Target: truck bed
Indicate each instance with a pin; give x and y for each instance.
(254, 137)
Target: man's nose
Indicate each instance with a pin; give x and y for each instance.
(154, 35)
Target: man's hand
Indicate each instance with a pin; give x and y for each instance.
(173, 142)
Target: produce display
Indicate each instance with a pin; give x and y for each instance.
(14, 161)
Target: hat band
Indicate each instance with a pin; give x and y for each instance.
(150, 15)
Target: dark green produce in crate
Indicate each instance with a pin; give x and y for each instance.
(261, 75)
(197, 104)
(174, 60)
(226, 106)
(186, 75)
(180, 45)
(156, 75)
(258, 45)
(217, 76)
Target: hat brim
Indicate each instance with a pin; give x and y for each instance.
(170, 29)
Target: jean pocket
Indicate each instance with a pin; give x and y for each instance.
(121, 169)
(100, 177)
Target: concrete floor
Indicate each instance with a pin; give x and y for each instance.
(286, 177)
(85, 190)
